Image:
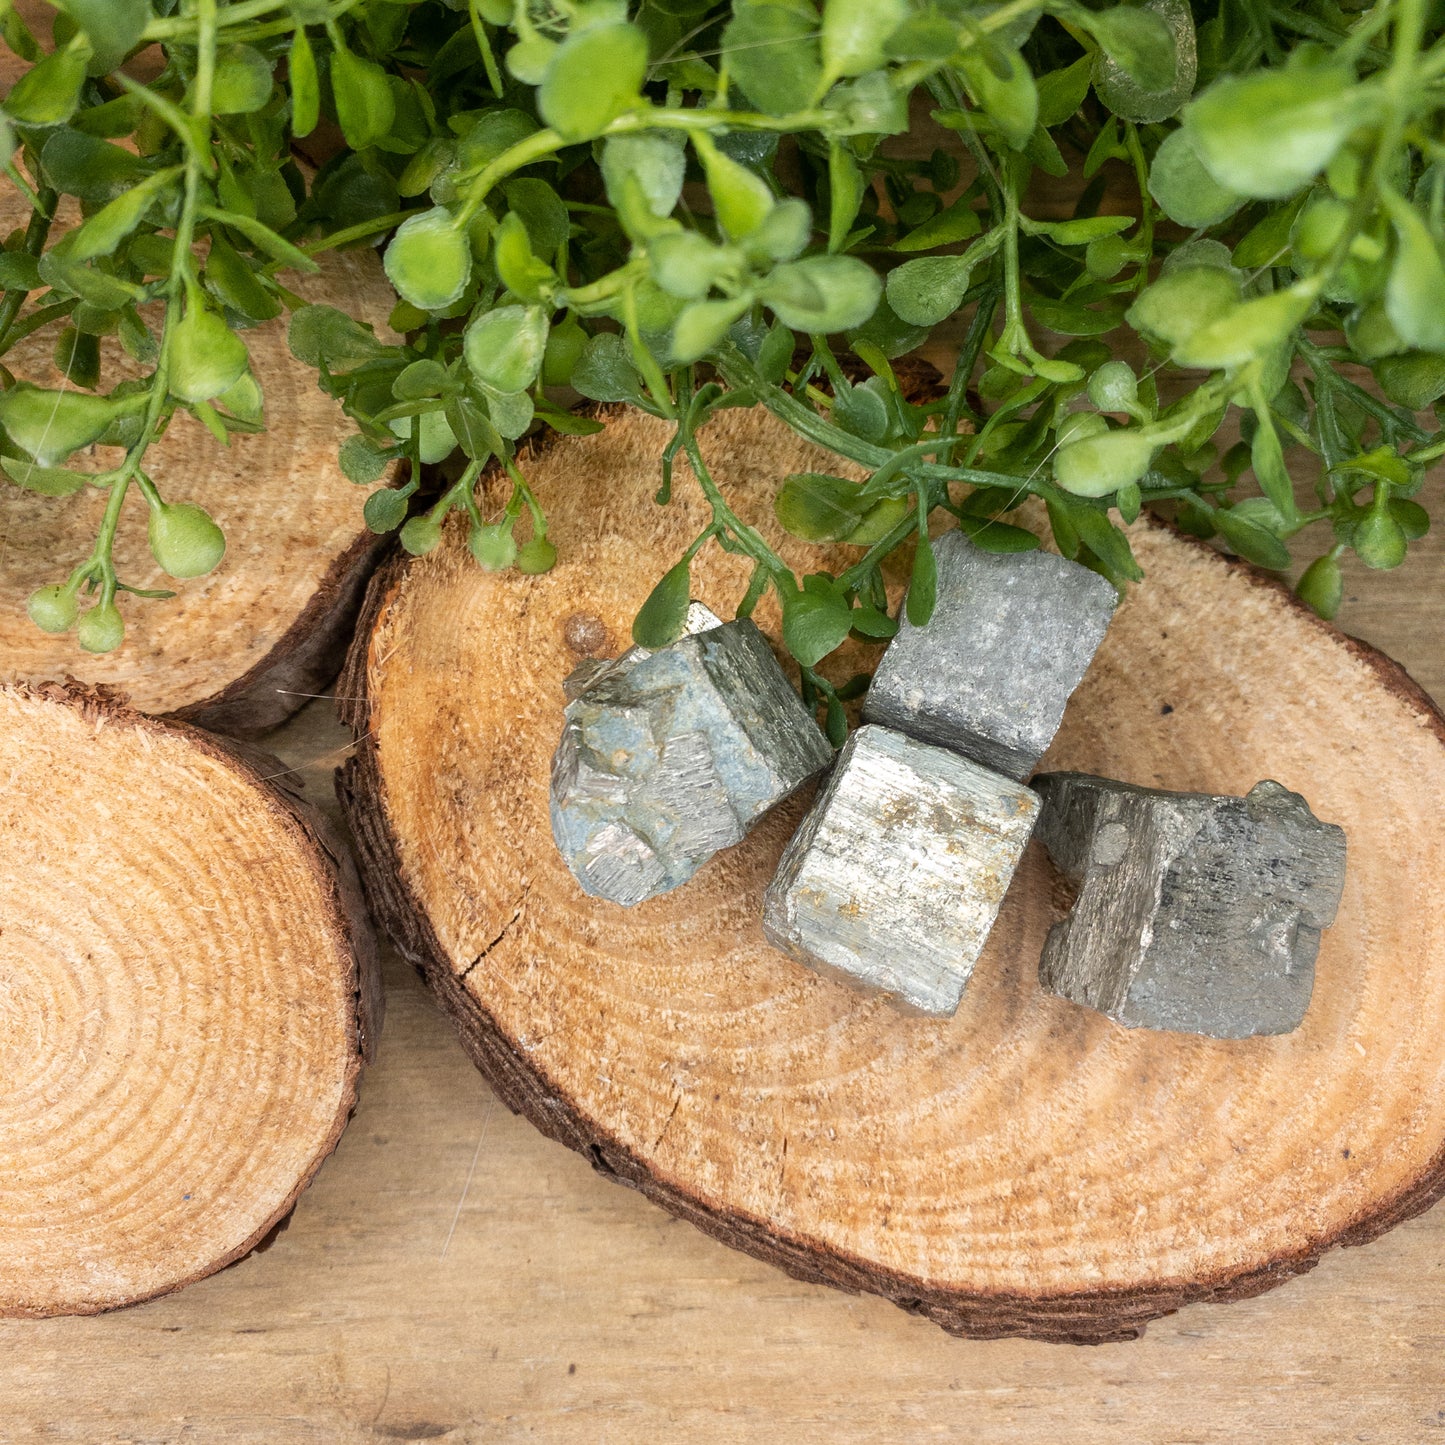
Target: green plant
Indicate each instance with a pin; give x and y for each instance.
(690, 206)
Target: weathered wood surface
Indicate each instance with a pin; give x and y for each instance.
(454, 1276)
(1021, 1168)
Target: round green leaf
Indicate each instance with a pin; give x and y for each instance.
(785, 231)
(504, 348)
(814, 624)
(206, 356)
(855, 33)
(1012, 102)
(429, 260)
(565, 344)
(1379, 541)
(926, 291)
(1141, 43)
(772, 53)
(420, 535)
(703, 325)
(435, 440)
(184, 540)
(53, 609)
(1322, 586)
(529, 59)
(1414, 380)
(1183, 301)
(594, 76)
(385, 509)
(605, 371)
(242, 82)
(1269, 133)
(536, 555)
(1249, 330)
(1185, 190)
(823, 293)
(1095, 466)
(1130, 100)
(656, 162)
(362, 461)
(870, 105)
(1114, 387)
(687, 264)
(493, 546)
(102, 629)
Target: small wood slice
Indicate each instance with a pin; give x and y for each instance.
(188, 988)
(1027, 1167)
(240, 649)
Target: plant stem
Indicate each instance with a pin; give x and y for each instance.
(361, 231)
(182, 265)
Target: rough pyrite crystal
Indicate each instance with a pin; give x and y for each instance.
(669, 755)
(1010, 638)
(896, 874)
(1194, 912)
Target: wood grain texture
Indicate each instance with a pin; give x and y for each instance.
(1023, 1168)
(454, 1276)
(187, 992)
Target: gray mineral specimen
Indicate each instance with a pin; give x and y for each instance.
(1194, 912)
(1010, 638)
(896, 874)
(668, 756)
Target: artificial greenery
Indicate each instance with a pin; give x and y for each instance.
(688, 206)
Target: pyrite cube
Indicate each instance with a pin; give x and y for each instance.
(1194, 912)
(668, 756)
(1010, 638)
(895, 876)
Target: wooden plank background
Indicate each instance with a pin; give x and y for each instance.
(454, 1276)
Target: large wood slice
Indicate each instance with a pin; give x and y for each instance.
(1027, 1167)
(188, 990)
(241, 649)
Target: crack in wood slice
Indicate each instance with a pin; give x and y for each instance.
(1026, 1167)
(241, 649)
(188, 991)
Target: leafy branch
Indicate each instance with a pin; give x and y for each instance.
(691, 211)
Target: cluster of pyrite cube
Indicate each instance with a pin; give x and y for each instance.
(1193, 912)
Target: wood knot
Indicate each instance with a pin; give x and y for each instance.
(586, 634)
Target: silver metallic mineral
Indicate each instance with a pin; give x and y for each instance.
(896, 874)
(667, 756)
(1194, 912)
(1010, 638)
